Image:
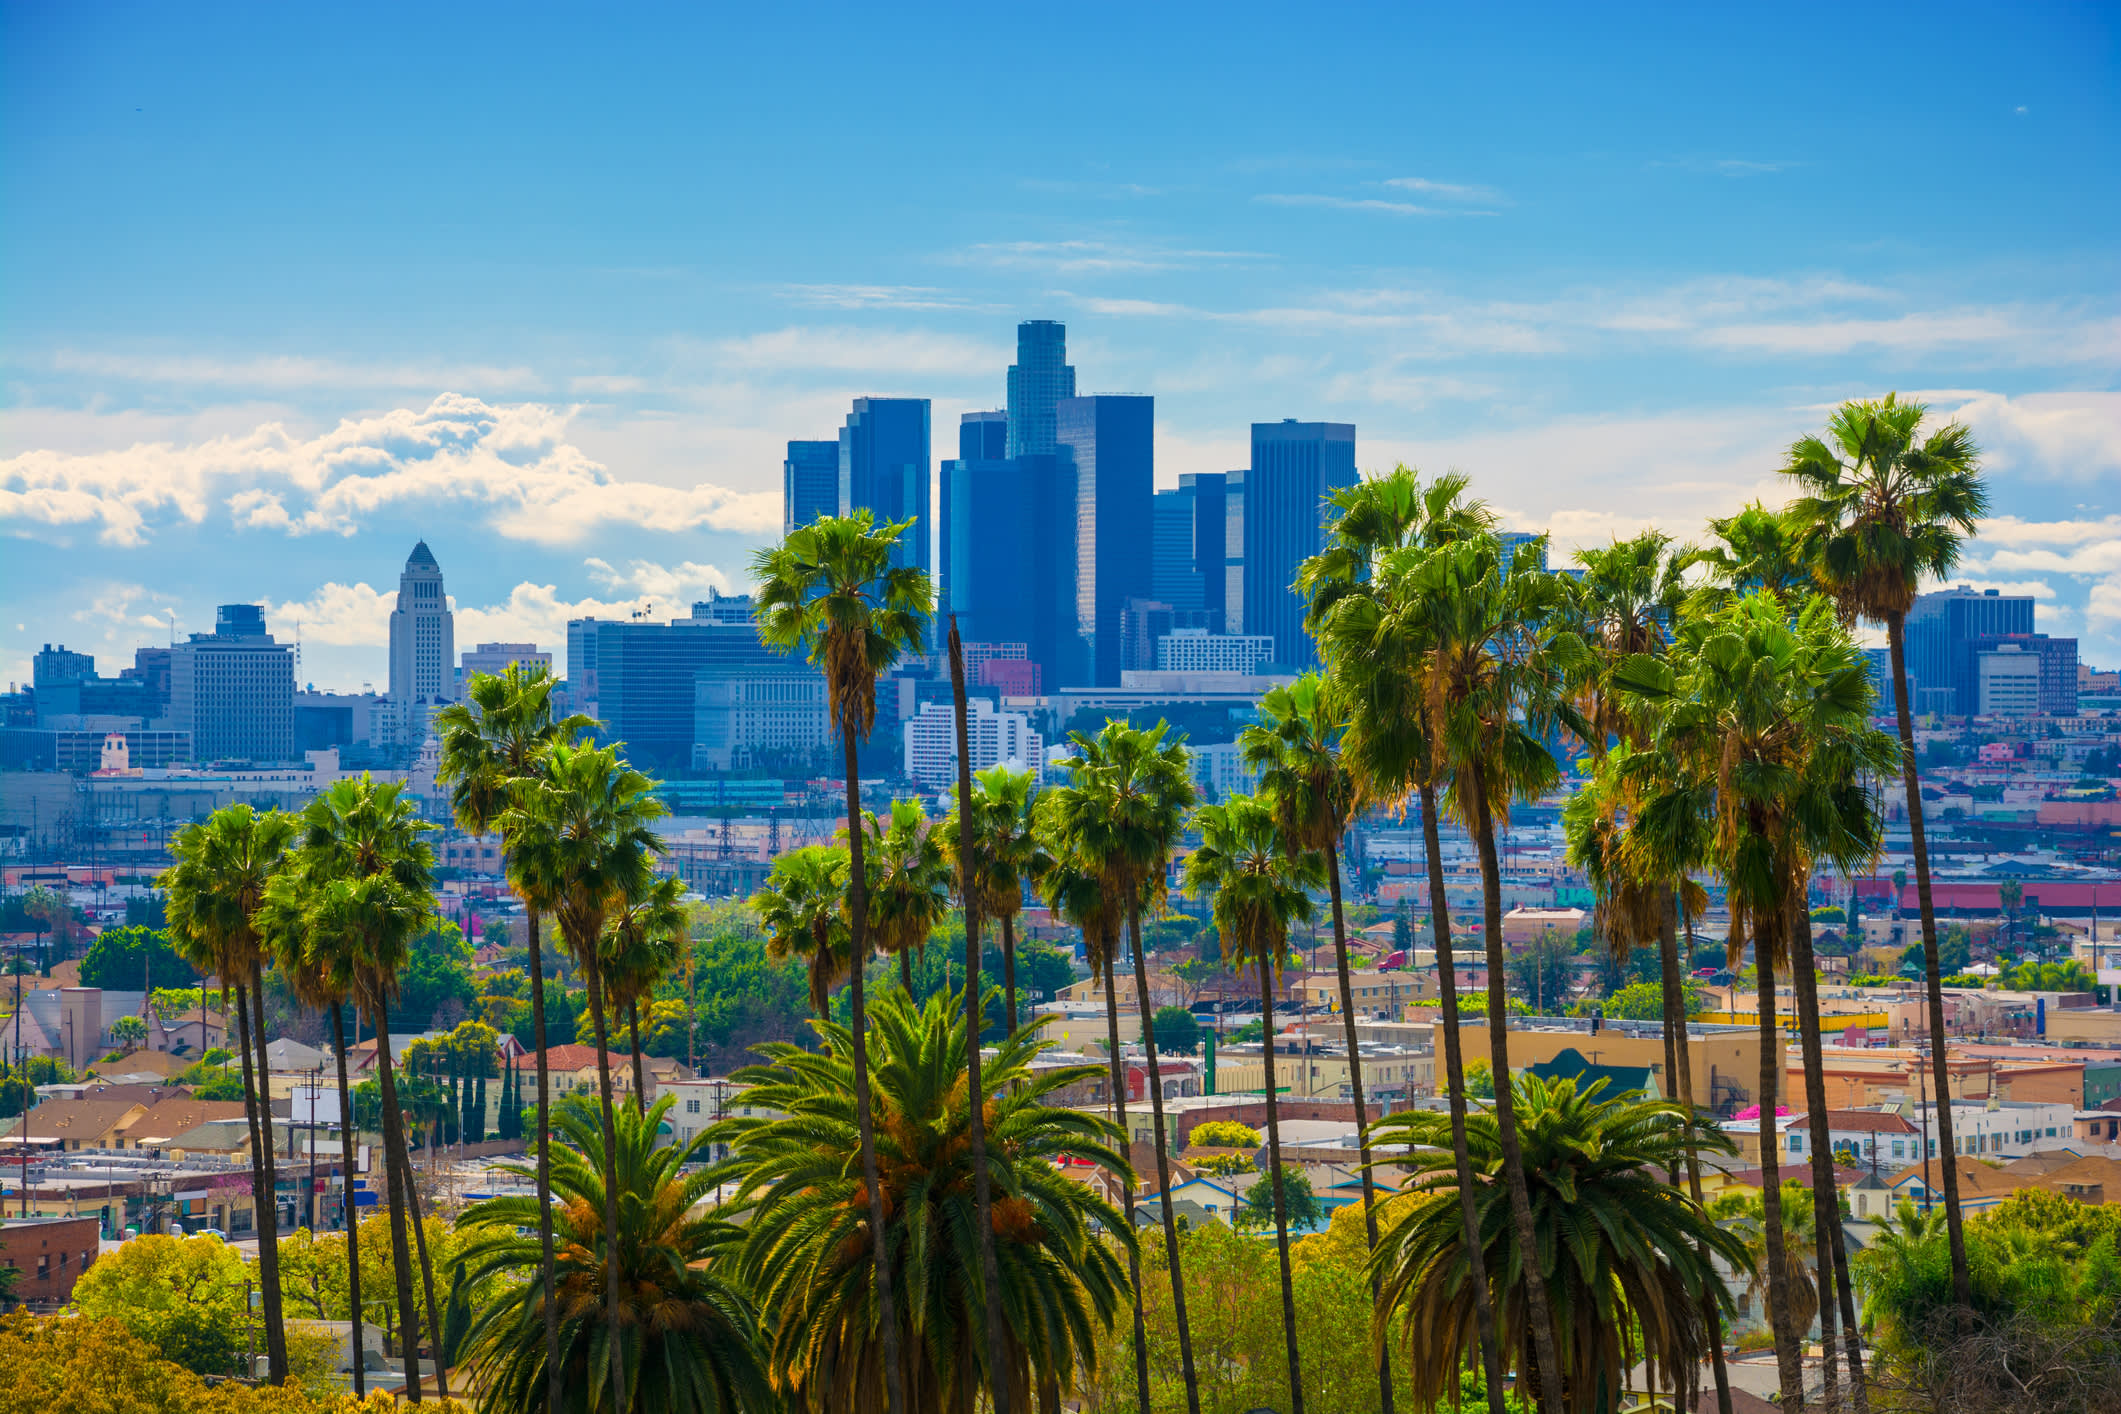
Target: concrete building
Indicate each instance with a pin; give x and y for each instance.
(1220, 772)
(232, 691)
(1195, 650)
(495, 657)
(994, 737)
(2007, 681)
(740, 720)
(423, 637)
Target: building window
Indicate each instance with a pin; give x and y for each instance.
(692, 1107)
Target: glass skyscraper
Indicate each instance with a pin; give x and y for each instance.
(884, 462)
(983, 436)
(1038, 380)
(1189, 554)
(810, 483)
(1276, 513)
(1108, 442)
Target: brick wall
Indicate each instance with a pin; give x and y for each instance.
(51, 1253)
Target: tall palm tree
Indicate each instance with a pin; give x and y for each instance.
(1755, 549)
(1259, 875)
(216, 890)
(368, 885)
(909, 883)
(1887, 507)
(693, 1342)
(1358, 613)
(803, 908)
(1123, 815)
(1011, 855)
(585, 849)
(494, 738)
(834, 591)
(643, 940)
(806, 1254)
(1296, 749)
(1631, 1254)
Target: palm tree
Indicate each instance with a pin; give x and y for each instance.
(1886, 510)
(366, 881)
(1359, 615)
(833, 591)
(1259, 875)
(1628, 1255)
(909, 883)
(1296, 751)
(496, 737)
(1123, 815)
(1011, 854)
(689, 1342)
(806, 1254)
(1745, 1216)
(803, 909)
(1759, 549)
(643, 940)
(216, 890)
(584, 848)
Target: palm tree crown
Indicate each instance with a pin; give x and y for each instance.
(831, 591)
(803, 908)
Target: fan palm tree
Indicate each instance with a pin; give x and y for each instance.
(1755, 549)
(690, 1338)
(1011, 855)
(1122, 815)
(216, 890)
(806, 1254)
(1358, 615)
(584, 847)
(1627, 1256)
(1887, 507)
(909, 883)
(835, 591)
(803, 909)
(1744, 1215)
(494, 738)
(644, 939)
(1258, 875)
(366, 880)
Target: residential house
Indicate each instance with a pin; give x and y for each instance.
(176, 1114)
(92, 1122)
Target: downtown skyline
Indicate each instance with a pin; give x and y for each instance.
(1601, 286)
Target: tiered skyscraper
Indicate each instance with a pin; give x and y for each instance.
(1038, 380)
(1108, 443)
(233, 690)
(884, 467)
(423, 635)
(810, 483)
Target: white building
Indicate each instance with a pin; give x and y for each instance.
(495, 657)
(737, 717)
(1220, 772)
(2010, 682)
(1195, 650)
(423, 635)
(995, 737)
(697, 1105)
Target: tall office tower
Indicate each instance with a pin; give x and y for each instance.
(495, 658)
(1512, 541)
(233, 690)
(1189, 541)
(423, 636)
(1038, 380)
(649, 677)
(1234, 551)
(1210, 540)
(1008, 559)
(983, 436)
(884, 469)
(810, 483)
(1295, 466)
(52, 666)
(982, 457)
(1942, 631)
(1108, 442)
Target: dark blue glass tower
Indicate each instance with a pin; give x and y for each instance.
(810, 483)
(983, 436)
(1295, 466)
(884, 461)
(1189, 554)
(1108, 442)
(1038, 380)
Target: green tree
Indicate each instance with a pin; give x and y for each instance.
(124, 958)
(1300, 1207)
(436, 980)
(804, 910)
(910, 880)
(644, 939)
(185, 1296)
(1644, 1001)
(130, 1032)
(1225, 1134)
(1176, 1031)
(1011, 858)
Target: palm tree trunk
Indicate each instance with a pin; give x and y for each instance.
(427, 1275)
(592, 974)
(1163, 1152)
(1826, 1206)
(905, 970)
(353, 1236)
(640, 1081)
(1455, 1090)
(1281, 1211)
(1001, 1379)
(1362, 1115)
(1539, 1313)
(872, 1180)
(264, 1183)
(550, 1300)
(1126, 1143)
(1009, 972)
(1933, 978)
(1680, 1066)
(400, 1247)
(1789, 1352)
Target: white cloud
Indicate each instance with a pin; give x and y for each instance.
(512, 461)
(2054, 436)
(873, 297)
(2019, 335)
(1365, 203)
(1447, 191)
(285, 373)
(2084, 548)
(1095, 257)
(671, 585)
(342, 615)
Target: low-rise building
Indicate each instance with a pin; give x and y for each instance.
(51, 1254)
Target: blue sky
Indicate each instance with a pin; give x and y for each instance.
(283, 289)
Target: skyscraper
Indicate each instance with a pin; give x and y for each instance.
(423, 639)
(1276, 513)
(884, 464)
(1008, 559)
(1189, 554)
(1038, 380)
(1946, 631)
(1108, 442)
(983, 436)
(810, 483)
(233, 689)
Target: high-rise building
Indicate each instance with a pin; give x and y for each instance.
(1944, 631)
(2007, 681)
(1008, 561)
(983, 436)
(1039, 379)
(1513, 541)
(994, 737)
(1280, 515)
(423, 637)
(810, 483)
(233, 690)
(1195, 650)
(494, 658)
(56, 665)
(884, 465)
(1191, 536)
(1108, 442)
(771, 714)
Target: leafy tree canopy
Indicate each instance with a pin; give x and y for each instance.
(121, 958)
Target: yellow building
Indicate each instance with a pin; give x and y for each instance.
(1723, 1065)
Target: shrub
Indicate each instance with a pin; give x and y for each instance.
(1225, 1134)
